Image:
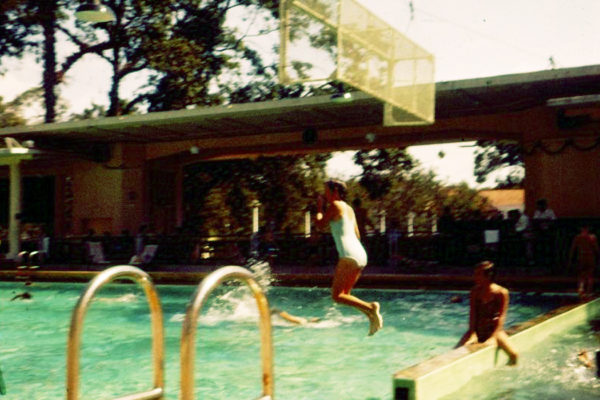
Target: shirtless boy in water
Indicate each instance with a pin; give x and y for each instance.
(489, 303)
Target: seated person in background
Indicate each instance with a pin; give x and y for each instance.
(489, 303)
(543, 215)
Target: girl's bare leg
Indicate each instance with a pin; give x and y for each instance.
(346, 275)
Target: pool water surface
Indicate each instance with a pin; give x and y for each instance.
(329, 359)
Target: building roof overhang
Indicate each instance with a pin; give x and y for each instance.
(454, 99)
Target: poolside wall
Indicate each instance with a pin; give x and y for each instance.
(447, 373)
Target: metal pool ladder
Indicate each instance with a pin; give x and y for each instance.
(208, 284)
(136, 275)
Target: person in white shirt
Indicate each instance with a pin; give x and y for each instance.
(523, 232)
(522, 223)
(543, 220)
(542, 211)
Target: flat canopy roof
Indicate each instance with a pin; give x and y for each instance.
(454, 99)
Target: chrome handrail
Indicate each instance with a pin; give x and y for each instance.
(208, 284)
(73, 346)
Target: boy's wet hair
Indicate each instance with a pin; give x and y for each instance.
(340, 186)
(488, 269)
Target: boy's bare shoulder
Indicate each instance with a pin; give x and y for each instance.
(499, 289)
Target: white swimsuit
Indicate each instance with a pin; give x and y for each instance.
(346, 242)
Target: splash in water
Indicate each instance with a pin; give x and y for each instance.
(262, 273)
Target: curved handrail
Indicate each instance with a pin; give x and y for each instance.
(208, 284)
(136, 275)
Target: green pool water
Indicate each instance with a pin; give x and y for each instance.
(330, 359)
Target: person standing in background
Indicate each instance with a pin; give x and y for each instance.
(585, 248)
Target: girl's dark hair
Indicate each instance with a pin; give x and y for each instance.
(488, 269)
(340, 186)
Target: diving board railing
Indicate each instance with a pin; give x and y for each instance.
(447, 373)
(74, 343)
(204, 289)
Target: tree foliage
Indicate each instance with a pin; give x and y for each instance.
(10, 114)
(492, 156)
(392, 183)
(382, 168)
(190, 49)
(205, 59)
(219, 195)
(31, 25)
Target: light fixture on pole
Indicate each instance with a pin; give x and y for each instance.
(93, 11)
(341, 97)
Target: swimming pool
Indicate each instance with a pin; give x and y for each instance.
(330, 359)
(549, 371)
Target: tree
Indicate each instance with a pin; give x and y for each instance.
(186, 43)
(205, 52)
(381, 168)
(32, 25)
(395, 184)
(92, 112)
(218, 195)
(13, 34)
(140, 29)
(10, 114)
(492, 156)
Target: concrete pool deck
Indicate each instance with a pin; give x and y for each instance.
(382, 277)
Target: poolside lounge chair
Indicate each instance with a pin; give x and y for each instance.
(95, 253)
(148, 253)
(146, 256)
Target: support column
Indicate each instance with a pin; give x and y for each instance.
(14, 223)
(410, 224)
(307, 224)
(382, 222)
(255, 207)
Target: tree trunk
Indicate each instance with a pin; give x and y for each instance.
(48, 10)
(114, 108)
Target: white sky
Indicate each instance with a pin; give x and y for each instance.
(469, 39)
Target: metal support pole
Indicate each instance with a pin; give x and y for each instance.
(307, 224)
(14, 223)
